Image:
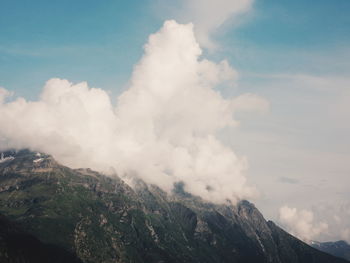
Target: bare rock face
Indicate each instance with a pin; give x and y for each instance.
(102, 219)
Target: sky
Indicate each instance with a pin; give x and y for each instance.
(282, 66)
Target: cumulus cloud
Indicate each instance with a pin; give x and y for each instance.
(209, 15)
(162, 128)
(300, 223)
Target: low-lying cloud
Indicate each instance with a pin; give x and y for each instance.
(300, 223)
(162, 128)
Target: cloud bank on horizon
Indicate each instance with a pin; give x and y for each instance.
(162, 129)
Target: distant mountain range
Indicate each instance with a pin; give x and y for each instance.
(339, 248)
(79, 215)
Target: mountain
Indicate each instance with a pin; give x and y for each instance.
(339, 248)
(102, 219)
(18, 246)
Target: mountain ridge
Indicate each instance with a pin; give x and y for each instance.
(102, 219)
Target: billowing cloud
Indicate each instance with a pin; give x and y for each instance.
(162, 128)
(300, 223)
(209, 15)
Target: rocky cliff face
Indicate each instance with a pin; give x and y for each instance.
(104, 220)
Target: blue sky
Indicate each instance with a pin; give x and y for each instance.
(78, 40)
(293, 53)
(100, 42)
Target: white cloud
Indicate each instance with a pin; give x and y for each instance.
(209, 15)
(4, 94)
(346, 235)
(336, 212)
(300, 223)
(163, 127)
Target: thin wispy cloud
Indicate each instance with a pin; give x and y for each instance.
(208, 16)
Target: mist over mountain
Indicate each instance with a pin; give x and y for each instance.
(103, 219)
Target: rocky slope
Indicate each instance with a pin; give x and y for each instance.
(104, 220)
